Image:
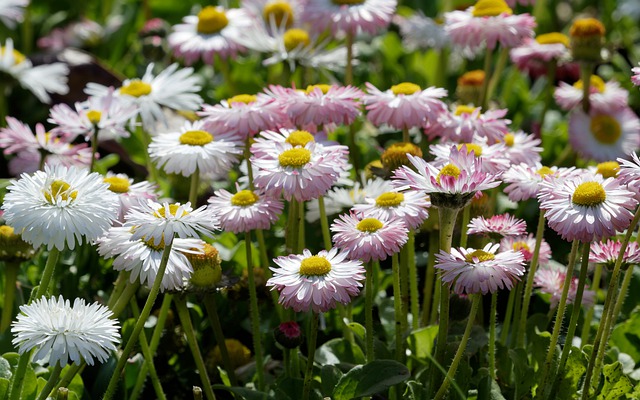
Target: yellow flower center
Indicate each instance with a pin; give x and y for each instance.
(94, 116)
(369, 225)
(589, 194)
(608, 169)
(405, 88)
(117, 185)
(476, 148)
(472, 78)
(278, 10)
(173, 209)
(517, 246)
(544, 171)
(605, 129)
(315, 266)
(18, 57)
(244, 198)
(151, 243)
(299, 138)
(480, 255)
(587, 27)
(553, 38)
(211, 20)
(464, 110)
(295, 158)
(390, 199)
(294, 38)
(242, 98)
(448, 170)
(6, 231)
(490, 8)
(347, 2)
(62, 189)
(136, 88)
(196, 138)
(509, 139)
(325, 88)
(595, 82)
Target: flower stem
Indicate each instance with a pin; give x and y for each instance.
(121, 303)
(475, 304)
(622, 294)
(585, 77)
(586, 328)
(255, 313)
(552, 67)
(413, 281)
(368, 312)
(10, 278)
(193, 189)
(145, 139)
(492, 335)
(427, 295)
(397, 306)
(522, 323)
(348, 71)
(405, 135)
(548, 362)
(51, 382)
(495, 77)
(119, 285)
(466, 216)
(247, 157)
(187, 326)
(404, 287)
(212, 311)
(293, 228)
(313, 338)
(324, 223)
(146, 310)
(488, 58)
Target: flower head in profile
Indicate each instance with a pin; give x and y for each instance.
(350, 16)
(369, 238)
(480, 271)
(466, 124)
(526, 245)
(324, 104)
(522, 148)
(524, 180)
(535, 54)
(60, 207)
(130, 194)
(603, 97)
(411, 206)
(245, 210)
(586, 207)
(65, 332)
(551, 280)
(316, 282)
(607, 253)
(503, 225)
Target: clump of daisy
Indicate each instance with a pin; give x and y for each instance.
(65, 332)
(60, 207)
(308, 282)
(245, 210)
(526, 245)
(480, 271)
(607, 253)
(551, 281)
(502, 225)
(603, 97)
(411, 206)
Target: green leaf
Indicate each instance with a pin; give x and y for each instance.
(330, 375)
(245, 393)
(488, 389)
(417, 391)
(369, 379)
(616, 384)
(4, 387)
(421, 342)
(5, 368)
(524, 374)
(573, 370)
(337, 351)
(625, 336)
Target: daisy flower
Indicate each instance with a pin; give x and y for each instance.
(493, 156)
(172, 88)
(467, 123)
(214, 31)
(369, 238)
(603, 97)
(154, 221)
(39, 80)
(323, 104)
(551, 281)
(245, 210)
(78, 332)
(60, 207)
(629, 173)
(526, 244)
(142, 257)
(603, 136)
(635, 79)
(452, 185)
(11, 11)
(586, 207)
(410, 206)
(130, 194)
(276, 13)
(503, 225)
(522, 148)
(265, 144)
(536, 53)
(421, 33)
(404, 105)
(105, 115)
(245, 114)
(193, 148)
(489, 22)
(607, 253)
(480, 271)
(349, 16)
(524, 180)
(316, 282)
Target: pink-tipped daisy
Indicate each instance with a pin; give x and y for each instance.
(503, 225)
(488, 23)
(265, 144)
(212, 32)
(369, 238)
(244, 114)
(404, 106)
(276, 13)
(551, 281)
(603, 97)
(635, 79)
(629, 173)
(245, 210)
(524, 180)
(130, 194)
(536, 53)
(480, 271)
(603, 136)
(522, 148)
(608, 252)
(316, 282)
(466, 124)
(411, 206)
(586, 207)
(526, 244)
(324, 104)
(421, 33)
(350, 16)
(492, 156)
(452, 185)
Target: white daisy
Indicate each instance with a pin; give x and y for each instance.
(351, 16)
(60, 206)
(493, 156)
(80, 332)
(130, 194)
(11, 11)
(421, 32)
(40, 80)
(410, 206)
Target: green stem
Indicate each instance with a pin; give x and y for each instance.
(348, 71)
(119, 285)
(475, 304)
(368, 312)
(405, 135)
(495, 78)
(4, 95)
(264, 264)
(413, 281)
(51, 382)
(548, 362)
(466, 216)
(124, 298)
(628, 275)
(73, 370)
(552, 67)
(313, 338)
(324, 223)
(193, 189)
(404, 287)
(187, 326)
(397, 306)
(255, 314)
(145, 140)
(10, 279)
(487, 76)
(522, 323)
(440, 79)
(293, 228)
(148, 355)
(585, 77)
(247, 157)
(212, 311)
(586, 328)
(504, 334)
(427, 293)
(492, 335)
(146, 311)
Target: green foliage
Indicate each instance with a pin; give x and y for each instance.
(616, 384)
(369, 379)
